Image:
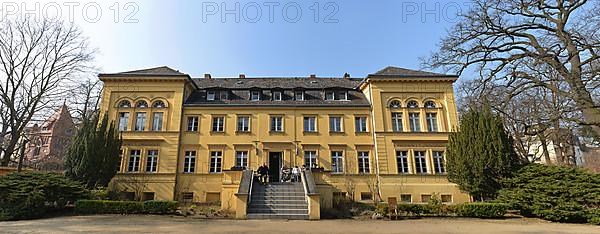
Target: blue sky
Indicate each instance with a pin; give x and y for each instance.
(367, 36)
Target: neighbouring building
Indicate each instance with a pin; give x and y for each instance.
(48, 142)
(189, 139)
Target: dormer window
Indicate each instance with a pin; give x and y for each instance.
(339, 95)
(223, 95)
(299, 95)
(255, 95)
(412, 104)
(430, 104)
(277, 96)
(210, 95)
(141, 104)
(125, 104)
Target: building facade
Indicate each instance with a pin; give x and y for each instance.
(47, 143)
(370, 138)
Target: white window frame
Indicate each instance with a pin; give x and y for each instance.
(336, 126)
(397, 125)
(361, 124)
(312, 125)
(211, 95)
(219, 123)
(189, 162)
(157, 123)
(344, 95)
(439, 165)
(310, 158)
(301, 95)
(123, 121)
(414, 118)
(420, 161)
(364, 162)
(276, 124)
(337, 161)
(241, 158)
(243, 126)
(431, 122)
(277, 96)
(402, 162)
(216, 162)
(255, 95)
(133, 164)
(140, 121)
(152, 161)
(329, 95)
(194, 123)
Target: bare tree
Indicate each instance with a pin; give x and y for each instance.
(84, 98)
(507, 41)
(36, 57)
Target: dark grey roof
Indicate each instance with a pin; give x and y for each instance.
(239, 92)
(156, 71)
(277, 82)
(403, 72)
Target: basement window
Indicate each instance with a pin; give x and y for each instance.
(148, 196)
(366, 196)
(187, 197)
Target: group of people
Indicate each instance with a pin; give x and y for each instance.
(287, 174)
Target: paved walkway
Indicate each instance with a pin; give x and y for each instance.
(166, 224)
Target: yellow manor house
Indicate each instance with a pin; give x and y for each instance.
(202, 139)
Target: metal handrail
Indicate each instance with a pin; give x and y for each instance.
(251, 183)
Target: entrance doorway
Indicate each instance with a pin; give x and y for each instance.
(274, 166)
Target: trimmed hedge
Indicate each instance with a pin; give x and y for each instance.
(475, 210)
(481, 210)
(33, 194)
(125, 207)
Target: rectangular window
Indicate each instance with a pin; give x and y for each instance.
(243, 123)
(157, 121)
(310, 159)
(120, 160)
(310, 124)
(431, 122)
(363, 162)
(342, 96)
(299, 95)
(438, 162)
(329, 95)
(397, 122)
(123, 121)
(152, 161)
(192, 124)
(420, 162)
(216, 158)
(276, 124)
(366, 196)
(360, 124)
(255, 95)
(241, 159)
(218, 124)
(223, 94)
(425, 198)
(140, 121)
(402, 162)
(134, 161)
(406, 198)
(414, 120)
(335, 124)
(189, 162)
(187, 197)
(277, 96)
(210, 95)
(337, 161)
(446, 198)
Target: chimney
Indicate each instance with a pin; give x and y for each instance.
(207, 76)
(242, 76)
(346, 76)
(313, 76)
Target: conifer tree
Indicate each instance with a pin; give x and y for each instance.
(480, 154)
(93, 155)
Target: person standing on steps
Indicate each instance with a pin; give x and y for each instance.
(263, 171)
(296, 174)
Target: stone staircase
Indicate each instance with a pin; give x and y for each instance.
(278, 200)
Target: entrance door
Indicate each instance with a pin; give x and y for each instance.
(274, 166)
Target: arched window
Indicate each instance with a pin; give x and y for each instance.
(430, 104)
(412, 104)
(395, 104)
(141, 104)
(158, 104)
(124, 104)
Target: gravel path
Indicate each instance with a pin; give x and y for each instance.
(166, 224)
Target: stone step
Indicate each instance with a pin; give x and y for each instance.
(277, 206)
(291, 194)
(278, 197)
(277, 211)
(278, 201)
(276, 216)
